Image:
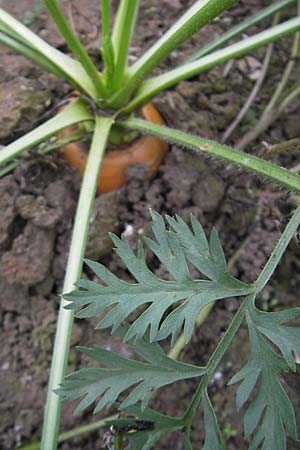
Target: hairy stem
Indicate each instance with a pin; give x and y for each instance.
(74, 266)
(244, 160)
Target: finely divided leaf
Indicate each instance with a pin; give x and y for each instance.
(208, 258)
(273, 326)
(173, 247)
(213, 437)
(138, 378)
(271, 413)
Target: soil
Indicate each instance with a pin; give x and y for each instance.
(38, 201)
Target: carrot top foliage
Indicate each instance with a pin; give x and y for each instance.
(108, 99)
(169, 306)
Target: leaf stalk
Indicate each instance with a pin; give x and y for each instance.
(74, 267)
(246, 161)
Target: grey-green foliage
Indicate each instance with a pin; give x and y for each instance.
(173, 247)
(168, 307)
(138, 378)
(213, 436)
(263, 369)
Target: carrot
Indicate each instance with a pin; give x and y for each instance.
(147, 150)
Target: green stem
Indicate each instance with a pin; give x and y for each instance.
(223, 345)
(74, 113)
(217, 356)
(47, 147)
(29, 53)
(287, 71)
(105, 18)
(175, 351)
(122, 32)
(10, 167)
(198, 15)
(78, 431)
(244, 160)
(74, 266)
(107, 46)
(43, 149)
(76, 46)
(68, 67)
(154, 85)
(215, 360)
(240, 28)
(278, 251)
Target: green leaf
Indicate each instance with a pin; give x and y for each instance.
(158, 295)
(123, 28)
(286, 338)
(152, 86)
(145, 439)
(141, 378)
(71, 69)
(208, 258)
(107, 50)
(240, 28)
(213, 437)
(194, 18)
(271, 412)
(29, 53)
(76, 46)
